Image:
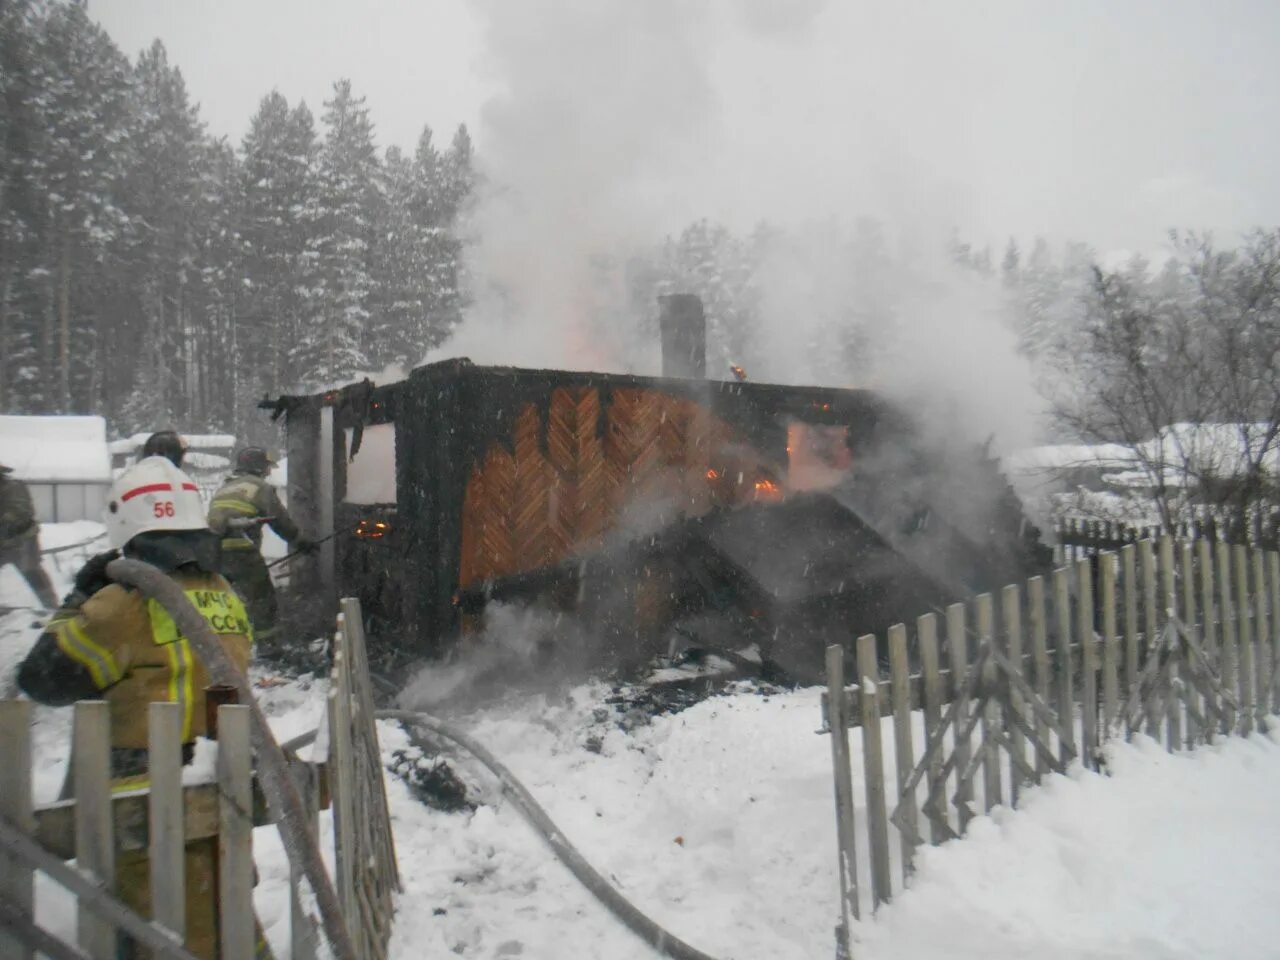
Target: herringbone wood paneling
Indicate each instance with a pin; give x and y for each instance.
(530, 516)
(581, 506)
(527, 509)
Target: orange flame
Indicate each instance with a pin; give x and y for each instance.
(766, 489)
(372, 529)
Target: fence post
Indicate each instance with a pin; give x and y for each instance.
(1040, 656)
(838, 722)
(1088, 664)
(302, 927)
(1129, 566)
(1230, 672)
(1273, 591)
(17, 885)
(167, 826)
(95, 837)
(1192, 624)
(1266, 663)
(1066, 700)
(1173, 705)
(873, 768)
(931, 693)
(958, 653)
(903, 754)
(1245, 634)
(1110, 661)
(992, 793)
(1011, 615)
(1150, 623)
(1208, 614)
(343, 780)
(235, 835)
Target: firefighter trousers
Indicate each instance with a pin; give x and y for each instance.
(248, 573)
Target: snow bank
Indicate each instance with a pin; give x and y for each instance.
(1170, 857)
(719, 823)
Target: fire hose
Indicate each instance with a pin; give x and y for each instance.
(639, 924)
(283, 800)
(296, 553)
(50, 551)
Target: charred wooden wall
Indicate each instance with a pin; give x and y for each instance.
(502, 470)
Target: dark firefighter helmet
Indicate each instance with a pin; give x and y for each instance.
(165, 444)
(254, 460)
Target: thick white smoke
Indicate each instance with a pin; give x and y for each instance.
(622, 121)
(605, 103)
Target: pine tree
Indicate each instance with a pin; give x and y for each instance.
(167, 144)
(400, 277)
(83, 110)
(280, 187)
(332, 344)
(215, 389)
(1009, 265)
(20, 82)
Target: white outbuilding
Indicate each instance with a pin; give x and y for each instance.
(64, 461)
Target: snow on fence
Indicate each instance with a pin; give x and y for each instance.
(1182, 644)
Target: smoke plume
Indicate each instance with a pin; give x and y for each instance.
(621, 122)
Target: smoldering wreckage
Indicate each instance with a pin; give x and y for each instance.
(622, 518)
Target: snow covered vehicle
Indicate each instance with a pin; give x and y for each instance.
(653, 511)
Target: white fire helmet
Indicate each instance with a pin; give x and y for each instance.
(153, 494)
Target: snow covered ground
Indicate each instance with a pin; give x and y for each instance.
(719, 823)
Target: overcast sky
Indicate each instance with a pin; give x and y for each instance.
(1103, 121)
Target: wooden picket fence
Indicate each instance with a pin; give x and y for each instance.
(1076, 537)
(1178, 640)
(100, 824)
(367, 875)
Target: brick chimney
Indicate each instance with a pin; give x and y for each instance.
(684, 336)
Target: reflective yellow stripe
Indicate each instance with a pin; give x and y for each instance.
(141, 781)
(181, 682)
(238, 543)
(75, 643)
(240, 506)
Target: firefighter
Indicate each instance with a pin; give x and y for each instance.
(167, 444)
(112, 643)
(243, 503)
(20, 537)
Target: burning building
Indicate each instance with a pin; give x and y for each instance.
(649, 510)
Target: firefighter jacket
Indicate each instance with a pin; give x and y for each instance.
(126, 649)
(247, 496)
(17, 515)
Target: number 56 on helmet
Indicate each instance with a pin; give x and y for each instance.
(151, 495)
